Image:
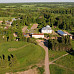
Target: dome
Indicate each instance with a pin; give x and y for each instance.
(47, 26)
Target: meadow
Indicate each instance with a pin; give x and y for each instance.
(55, 54)
(54, 69)
(66, 61)
(27, 55)
(64, 65)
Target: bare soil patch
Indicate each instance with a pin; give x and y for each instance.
(34, 26)
(30, 71)
(24, 29)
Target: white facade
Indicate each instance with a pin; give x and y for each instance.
(38, 35)
(64, 34)
(46, 29)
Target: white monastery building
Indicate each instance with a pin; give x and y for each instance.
(38, 35)
(46, 29)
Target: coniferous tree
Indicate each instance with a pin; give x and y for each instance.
(3, 21)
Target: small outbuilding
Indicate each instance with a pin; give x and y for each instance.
(46, 29)
(26, 35)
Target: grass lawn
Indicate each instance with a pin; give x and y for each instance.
(67, 61)
(55, 54)
(26, 56)
(59, 70)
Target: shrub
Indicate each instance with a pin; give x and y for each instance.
(32, 40)
(41, 70)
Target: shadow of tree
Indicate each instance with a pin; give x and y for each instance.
(46, 43)
(9, 58)
(3, 56)
(12, 56)
(71, 52)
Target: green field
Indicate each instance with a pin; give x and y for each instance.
(55, 54)
(64, 65)
(59, 70)
(26, 54)
(67, 61)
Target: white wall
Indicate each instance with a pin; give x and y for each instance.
(46, 31)
(64, 34)
(38, 36)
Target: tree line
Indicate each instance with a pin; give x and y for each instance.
(64, 44)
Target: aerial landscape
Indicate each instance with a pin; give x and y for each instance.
(36, 37)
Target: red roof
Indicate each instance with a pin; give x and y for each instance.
(38, 34)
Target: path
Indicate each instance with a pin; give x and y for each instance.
(13, 49)
(47, 71)
(58, 58)
(30, 71)
(63, 67)
(52, 62)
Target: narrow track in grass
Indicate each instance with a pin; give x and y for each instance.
(63, 66)
(52, 62)
(13, 49)
(58, 58)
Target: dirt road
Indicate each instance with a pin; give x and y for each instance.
(47, 71)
